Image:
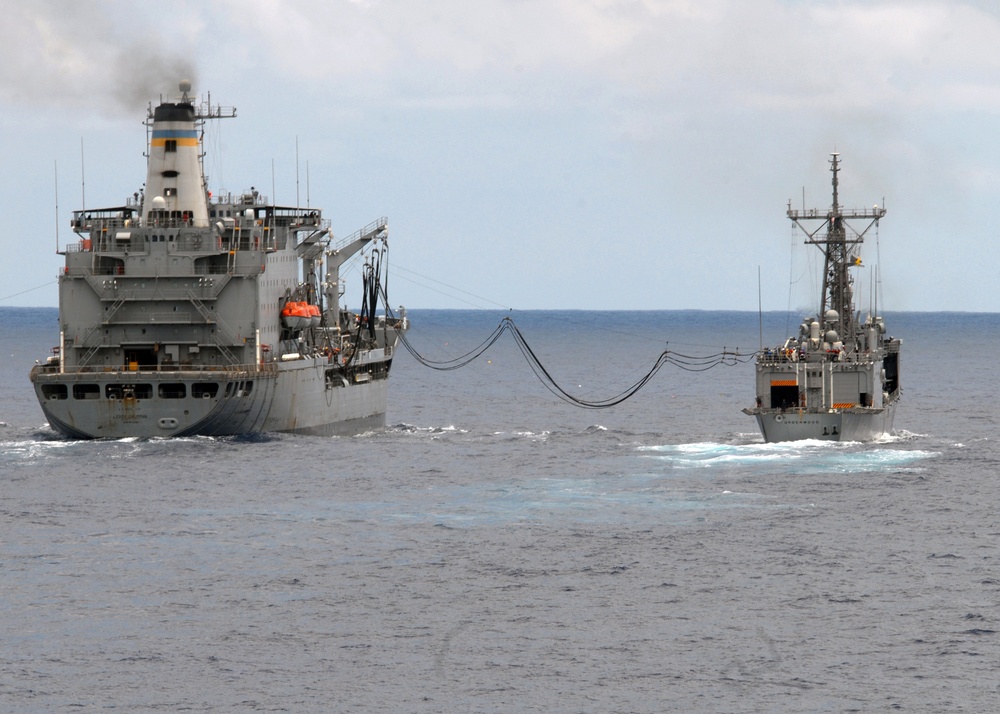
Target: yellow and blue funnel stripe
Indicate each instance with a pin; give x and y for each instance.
(183, 137)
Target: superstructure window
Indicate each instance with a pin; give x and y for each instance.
(239, 389)
(170, 145)
(204, 390)
(128, 391)
(86, 391)
(54, 391)
(172, 390)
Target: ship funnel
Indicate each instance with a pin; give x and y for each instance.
(174, 165)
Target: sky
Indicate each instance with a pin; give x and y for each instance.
(537, 154)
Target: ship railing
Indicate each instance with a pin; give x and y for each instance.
(120, 272)
(783, 356)
(126, 374)
(232, 209)
(242, 234)
(372, 229)
(224, 269)
(863, 213)
(777, 355)
(115, 223)
(105, 243)
(88, 270)
(228, 199)
(104, 219)
(113, 228)
(111, 290)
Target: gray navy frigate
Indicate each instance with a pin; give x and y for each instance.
(183, 313)
(838, 379)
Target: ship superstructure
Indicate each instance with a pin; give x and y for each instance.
(183, 313)
(838, 379)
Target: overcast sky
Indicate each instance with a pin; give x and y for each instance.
(537, 154)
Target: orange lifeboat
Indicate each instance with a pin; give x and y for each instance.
(295, 315)
(314, 315)
(305, 317)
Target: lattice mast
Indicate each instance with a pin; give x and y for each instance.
(841, 245)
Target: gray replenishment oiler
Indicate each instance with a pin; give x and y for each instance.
(838, 379)
(185, 314)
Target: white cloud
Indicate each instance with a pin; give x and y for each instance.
(773, 55)
(582, 116)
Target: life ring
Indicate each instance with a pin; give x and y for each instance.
(779, 418)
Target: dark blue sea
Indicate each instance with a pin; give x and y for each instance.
(497, 550)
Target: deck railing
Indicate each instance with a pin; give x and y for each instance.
(124, 374)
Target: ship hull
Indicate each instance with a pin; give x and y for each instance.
(836, 425)
(838, 379)
(312, 399)
(302, 398)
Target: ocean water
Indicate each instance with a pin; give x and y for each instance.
(496, 550)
